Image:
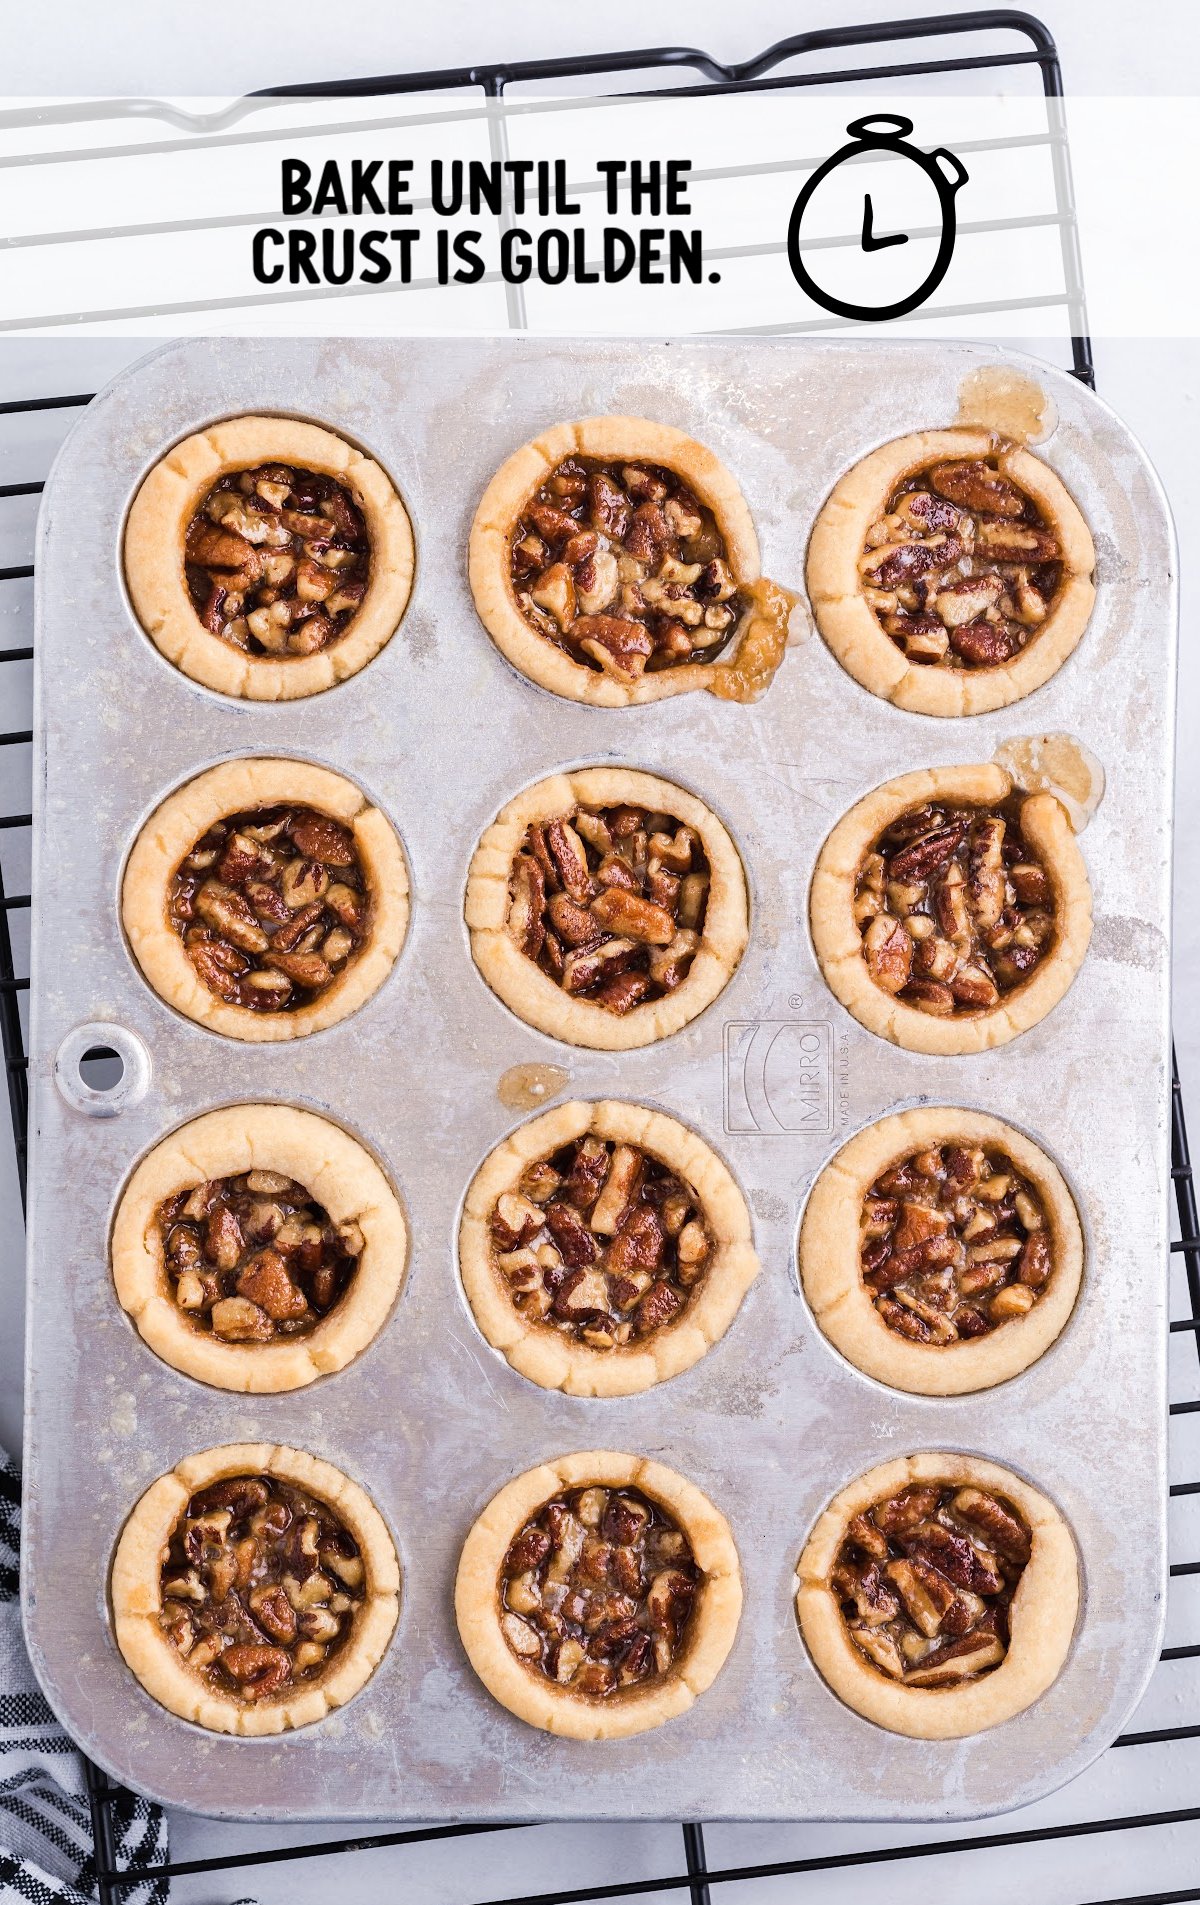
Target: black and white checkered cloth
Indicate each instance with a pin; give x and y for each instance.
(46, 1849)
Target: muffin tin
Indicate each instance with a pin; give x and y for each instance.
(772, 1422)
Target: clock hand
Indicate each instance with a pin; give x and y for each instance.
(869, 240)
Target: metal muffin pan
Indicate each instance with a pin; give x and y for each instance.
(441, 732)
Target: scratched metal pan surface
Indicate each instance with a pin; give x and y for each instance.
(775, 1074)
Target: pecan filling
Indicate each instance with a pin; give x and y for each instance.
(623, 568)
(600, 1241)
(925, 1580)
(277, 560)
(260, 1584)
(962, 568)
(597, 1590)
(609, 902)
(254, 1258)
(271, 905)
(954, 1243)
(954, 909)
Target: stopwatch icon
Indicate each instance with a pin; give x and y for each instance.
(882, 135)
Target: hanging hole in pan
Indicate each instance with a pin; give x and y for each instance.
(102, 1069)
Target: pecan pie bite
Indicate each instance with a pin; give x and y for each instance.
(938, 1595)
(268, 558)
(614, 560)
(254, 1589)
(254, 1258)
(277, 560)
(266, 899)
(604, 1248)
(950, 912)
(271, 905)
(606, 907)
(941, 1251)
(258, 1275)
(951, 572)
(599, 1595)
(597, 1590)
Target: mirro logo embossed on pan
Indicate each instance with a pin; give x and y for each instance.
(778, 1077)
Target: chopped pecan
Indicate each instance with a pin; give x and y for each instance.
(986, 644)
(967, 601)
(639, 1243)
(929, 854)
(570, 860)
(621, 994)
(590, 966)
(978, 487)
(955, 1557)
(1034, 1261)
(889, 952)
(632, 917)
(1015, 542)
(1001, 1529)
(528, 897)
(320, 838)
(927, 1595)
(574, 1240)
(957, 1660)
(660, 1303)
(232, 916)
(303, 969)
(265, 1281)
(621, 646)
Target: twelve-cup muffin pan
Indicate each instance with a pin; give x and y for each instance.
(440, 732)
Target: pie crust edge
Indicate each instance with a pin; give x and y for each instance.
(634, 439)
(849, 626)
(530, 1695)
(531, 993)
(184, 816)
(157, 525)
(137, 1597)
(1043, 1612)
(837, 941)
(336, 1171)
(831, 1274)
(549, 1357)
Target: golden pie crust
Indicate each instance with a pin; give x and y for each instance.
(547, 1355)
(137, 1595)
(531, 993)
(757, 648)
(1042, 1614)
(838, 942)
(337, 1173)
(154, 564)
(235, 787)
(849, 625)
(708, 1639)
(831, 1271)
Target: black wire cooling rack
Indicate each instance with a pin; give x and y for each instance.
(878, 48)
